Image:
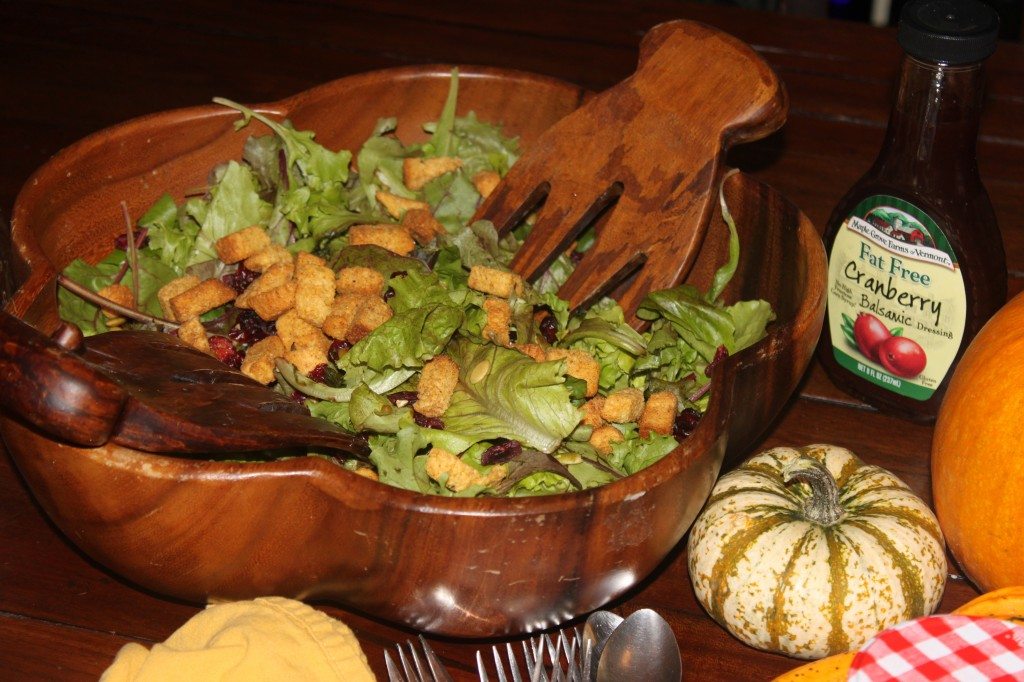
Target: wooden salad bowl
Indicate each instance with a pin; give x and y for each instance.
(303, 527)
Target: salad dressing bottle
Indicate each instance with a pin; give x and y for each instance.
(916, 261)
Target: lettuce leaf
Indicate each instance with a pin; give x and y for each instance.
(503, 393)
(441, 140)
(234, 204)
(700, 320)
(407, 340)
(396, 460)
(172, 235)
(371, 412)
(77, 310)
(153, 274)
(636, 453)
(615, 345)
(308, 163)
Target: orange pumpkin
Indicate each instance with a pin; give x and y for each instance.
(1006, 604)
(978, 454)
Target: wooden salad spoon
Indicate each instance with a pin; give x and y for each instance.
(148, 390)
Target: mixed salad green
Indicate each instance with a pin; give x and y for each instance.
(515, 419)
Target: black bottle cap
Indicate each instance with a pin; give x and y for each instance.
(948, 31)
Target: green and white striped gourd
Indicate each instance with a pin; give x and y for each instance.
(811, 552)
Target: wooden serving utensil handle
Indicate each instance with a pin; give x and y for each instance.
(46, 384)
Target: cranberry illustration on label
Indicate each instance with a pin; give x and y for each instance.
(869, 332)
(902, 356)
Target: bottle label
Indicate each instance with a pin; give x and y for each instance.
(896, 298)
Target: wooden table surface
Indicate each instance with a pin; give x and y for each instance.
(68, 69)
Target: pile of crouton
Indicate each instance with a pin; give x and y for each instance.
(312, 307)
(310, 304)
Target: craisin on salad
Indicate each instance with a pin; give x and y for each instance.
(359, 286)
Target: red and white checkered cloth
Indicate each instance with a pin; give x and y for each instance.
(946, 647)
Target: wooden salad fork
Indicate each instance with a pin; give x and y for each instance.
(646, 156)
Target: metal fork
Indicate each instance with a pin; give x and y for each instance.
(561, 654)
(413, 667)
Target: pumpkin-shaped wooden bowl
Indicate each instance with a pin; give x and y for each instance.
(303, 527)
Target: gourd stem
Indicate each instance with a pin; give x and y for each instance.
(822, 506)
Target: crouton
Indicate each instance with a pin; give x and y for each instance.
(272, 255)
(534, 350)
(417, 171)
(238, 246)
(367, 472)
(343, 313)
(394, 238)
(274, 276)
(422, 225)
(604, 437)
(359, 280)
(306, 358)
(261, 357)
(121, 295)
(373, 313)
(495, 282)
(623, 406)
(314, 288)
(203, 297)
(659, 414)
(306, 261)
(297, 332)
(436, 386)
(271, 304)
(172, 289)
(456, 474)
(485, 182)
(499, 320)
(194, 334)
(592, 412)
(396, 206)
(579, 364)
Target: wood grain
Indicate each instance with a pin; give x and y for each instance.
(70, 68)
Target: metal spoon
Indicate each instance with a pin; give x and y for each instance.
(643, 647)
(596, 630)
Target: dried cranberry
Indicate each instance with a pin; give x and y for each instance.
(576, 257)
(335, 351)
(502, 452)
(298, 397)
(403, 396)
(319, 373)
(389, 294)
(225, 351)
(240, 279)
(549, 328)
(427, 422)
(685, 423)
(252, 328)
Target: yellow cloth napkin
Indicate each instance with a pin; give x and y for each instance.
(267, 639)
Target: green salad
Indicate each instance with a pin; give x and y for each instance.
(359, 285)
